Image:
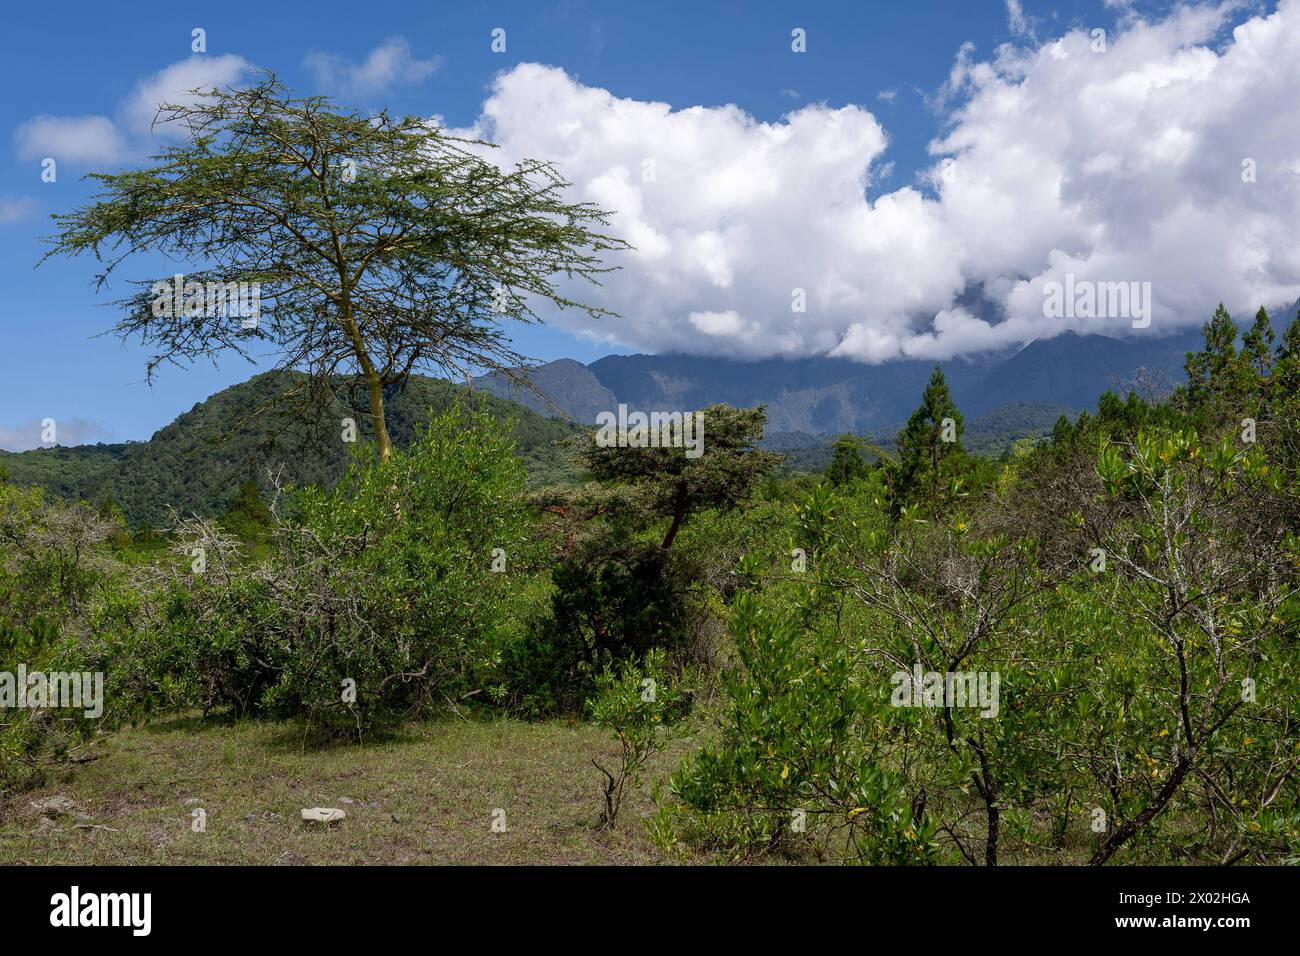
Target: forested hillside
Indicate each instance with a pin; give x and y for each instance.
(197, 463)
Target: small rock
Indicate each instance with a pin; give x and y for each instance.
(396, 818)
(289, 858)
(47, 824)
(271, 815)
(192, 801)
(347, 801)
(326, 815)
(53, 806)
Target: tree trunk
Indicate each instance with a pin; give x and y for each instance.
(679, 514)
(373, 383)
(376, 389)
(991, 844)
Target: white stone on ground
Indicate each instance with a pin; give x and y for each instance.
(322, 815)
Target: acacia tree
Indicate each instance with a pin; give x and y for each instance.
(380, 245)
(676, 485)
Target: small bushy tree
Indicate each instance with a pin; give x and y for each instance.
(638, 704)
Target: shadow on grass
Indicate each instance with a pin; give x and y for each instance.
(187, 723)
(297, 736)
(282, 735)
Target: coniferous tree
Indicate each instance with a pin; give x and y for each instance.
(847, 464)
(1257, 345)
(929, 449)
(1284, 396)
(1256, 366)
(1214, 380)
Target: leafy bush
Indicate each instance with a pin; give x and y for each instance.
(378, 600)
(801, 760)
(638, 704)
(601, 616)
(52, 566)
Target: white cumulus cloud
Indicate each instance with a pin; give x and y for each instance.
(95, 140)
(1121, 164)
(173, 85)
(78, 139)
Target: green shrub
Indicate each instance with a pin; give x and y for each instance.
(601, 616)
(800, 763)
(639, 705)
(379, 599)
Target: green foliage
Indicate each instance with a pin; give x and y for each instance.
(49, 562)
(638, 704)
(1133, 583)
(32, 740)
(378, 600)
(377, 244)
(801, 762)
(615, 596)
(51, 569)
(602, 615)
(247, 517)
(847, 464)
(1216, 377)
(930, 456)
(674, 484)
(246, 432)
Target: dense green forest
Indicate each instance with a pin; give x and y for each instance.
(1085, 649)
(257, 429)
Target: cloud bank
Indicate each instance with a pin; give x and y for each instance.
(1167, 151)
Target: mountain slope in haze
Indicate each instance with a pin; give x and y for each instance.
(825, 396)
(196, 463)
(989, 434)
(1074, 370)
(571, 388)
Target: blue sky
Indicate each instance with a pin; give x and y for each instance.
(881, 72)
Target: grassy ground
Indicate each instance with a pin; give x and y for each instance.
(425, 796)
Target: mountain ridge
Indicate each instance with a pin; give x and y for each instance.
(828, 396)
